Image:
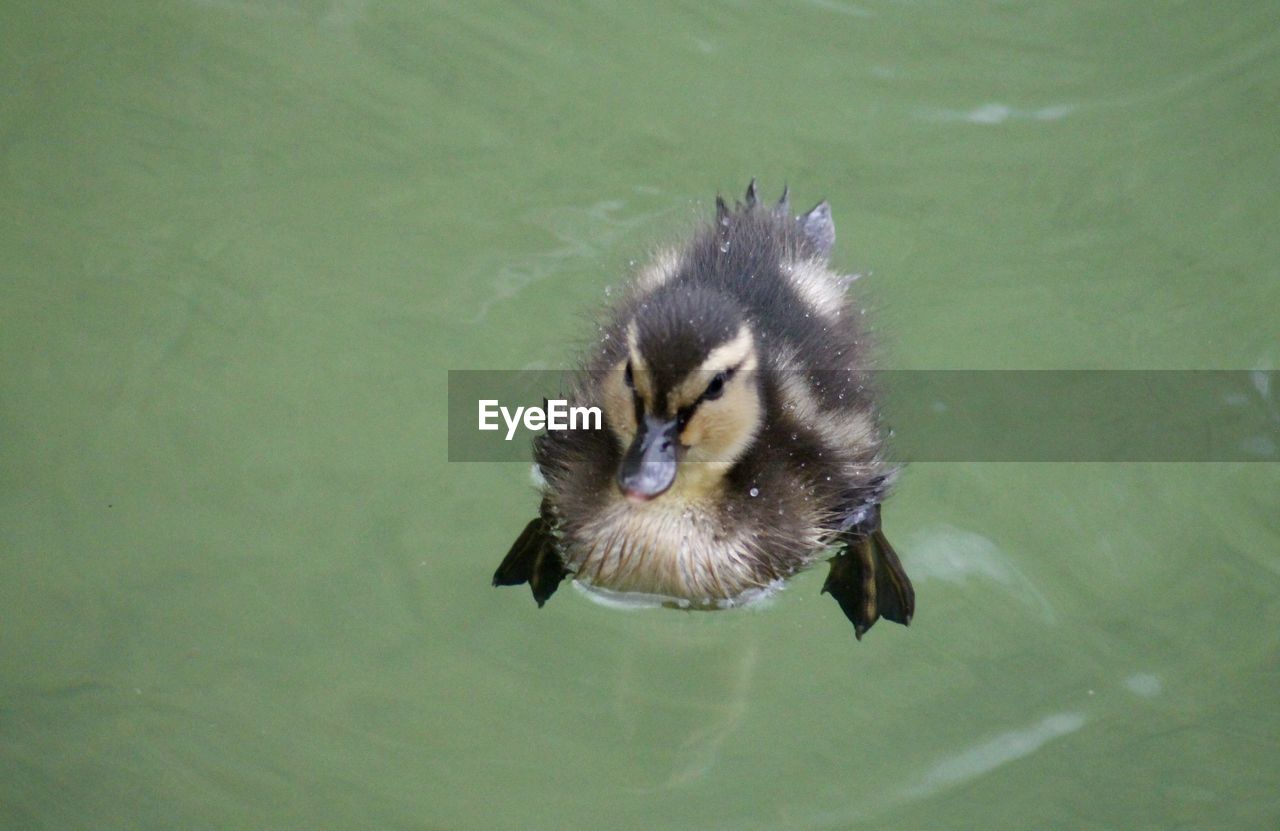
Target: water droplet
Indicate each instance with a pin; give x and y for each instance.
(754, 492)
(724, 247)
(608, 290)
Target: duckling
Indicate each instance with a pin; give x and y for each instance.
(740, 440)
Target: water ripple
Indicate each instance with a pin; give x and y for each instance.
(995, 752)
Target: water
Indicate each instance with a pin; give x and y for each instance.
(243, 242)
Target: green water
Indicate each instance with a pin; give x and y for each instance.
(241, 243)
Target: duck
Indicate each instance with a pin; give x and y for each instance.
(740, 442)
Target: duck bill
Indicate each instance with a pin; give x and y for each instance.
(649, 466)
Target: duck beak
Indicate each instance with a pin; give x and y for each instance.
(649, 467)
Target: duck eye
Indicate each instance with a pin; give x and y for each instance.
(628, 377)
(716, 388)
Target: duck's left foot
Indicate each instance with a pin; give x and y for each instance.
(534, 558)
(867, 579)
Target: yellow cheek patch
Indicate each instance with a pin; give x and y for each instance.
(721, 430)
(619, 410)
(640, 375)
(694, 430)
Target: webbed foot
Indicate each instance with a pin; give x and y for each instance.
(867, 579)
(533, 559)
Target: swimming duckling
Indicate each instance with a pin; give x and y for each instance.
(740, 438)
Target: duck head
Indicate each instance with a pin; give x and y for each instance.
(684, 402)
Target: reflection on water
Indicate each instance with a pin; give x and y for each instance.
(1143, 684)
(999, 750)
(581, 235)
(954, 555)
(994, 113)
(698, 726)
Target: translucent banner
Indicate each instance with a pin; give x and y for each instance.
(944, 415)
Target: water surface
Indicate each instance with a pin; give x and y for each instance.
(242, 243)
